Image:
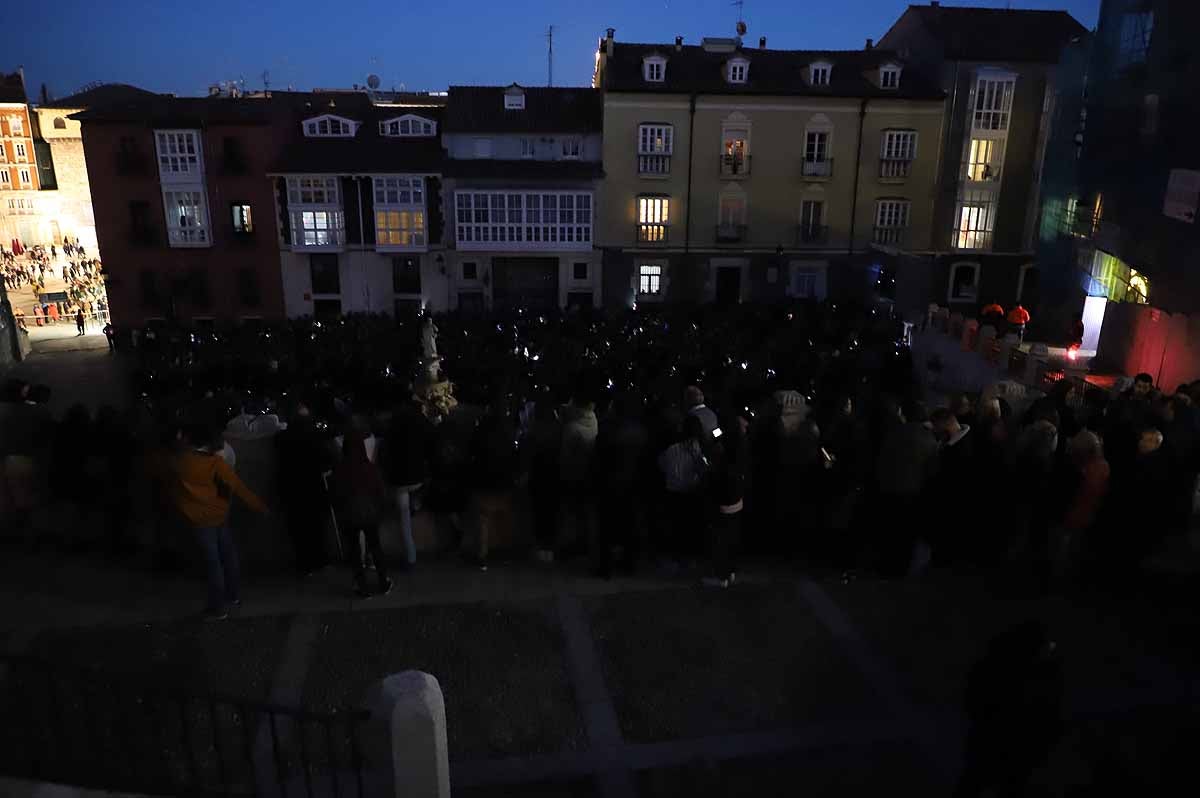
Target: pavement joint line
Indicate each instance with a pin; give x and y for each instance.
(931, 740)
(595, 702)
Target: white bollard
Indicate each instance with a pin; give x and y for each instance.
(406, 736)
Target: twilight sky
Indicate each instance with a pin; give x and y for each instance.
(182, 47)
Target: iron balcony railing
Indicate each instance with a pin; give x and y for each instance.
(652, 233)
(894, 168)
(890, 236)
(735, 165)
(654, 164)
(821, 169)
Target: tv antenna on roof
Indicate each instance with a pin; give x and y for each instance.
(372, 81)
(741, 24)
(550, 55)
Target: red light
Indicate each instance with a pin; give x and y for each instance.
(1073, 352)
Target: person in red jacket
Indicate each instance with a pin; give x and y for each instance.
(1018, 317)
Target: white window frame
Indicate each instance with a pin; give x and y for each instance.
(180, 155)
(974, 220)
(5, 179)
(514, 101)
(242, 214)
(16, 125)
(733, 160)
(654, 69)
(523, 219)
(814, 167)
(897, 151)
(806, 279)
(188, 228)
(992, 104)
(820, 73)
(651, 278)
(3, 153)
(329, 126)
(738, 70)
(892, 218)
(889, 76)
(807, 222)
(315, 212)
(973, 294)
(571, 148)
(653, 218)
(20, 152)
(400, 219)
(655, 144)
(407, 126)
(26, 177)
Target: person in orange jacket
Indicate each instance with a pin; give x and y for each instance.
(201, 484)
(1018, 317)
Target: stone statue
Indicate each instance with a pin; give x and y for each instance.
(429, 338)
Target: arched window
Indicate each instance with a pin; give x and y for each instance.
(60, 123)
(964, 282)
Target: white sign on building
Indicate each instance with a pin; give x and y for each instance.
(1183, 195)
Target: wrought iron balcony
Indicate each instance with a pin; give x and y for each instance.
(735, 165)
(894, 168)
(890, 236)
(654, 164)
(817, 170)
(652, 233)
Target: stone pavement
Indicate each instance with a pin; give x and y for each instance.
(640, 686)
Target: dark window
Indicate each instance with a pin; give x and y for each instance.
(199, 288)
(60, 123)
(406, 275)
(243, 222)
(129, 157)
(234, 158)
(141, 229)
(325, 276)
(148, 281)
(581, 271)
(470, 270)
(248, 291)
(205, 324)
(327, 309)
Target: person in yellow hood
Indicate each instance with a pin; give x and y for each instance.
(201, 485)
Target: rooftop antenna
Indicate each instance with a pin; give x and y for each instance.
(741, 24)
(266, 78)
(550, 55)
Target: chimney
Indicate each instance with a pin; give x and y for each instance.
(762, 42)
(608, 41)
(870, 43)
(678, 43)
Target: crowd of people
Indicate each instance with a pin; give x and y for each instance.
(82, 278)
(678, 441)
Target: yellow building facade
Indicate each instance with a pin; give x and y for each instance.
(735, 174)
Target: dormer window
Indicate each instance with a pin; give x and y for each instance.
(818, 73)
(330, 126)
(737, 70)
(407, 126)
(654, 69)
(514, 98)
(889, 76)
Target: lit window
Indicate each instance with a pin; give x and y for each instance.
(891, 221)
(818, 74)
(993, 103)
(408, 126)
(984, 158)
(650, 279)
(179, 157)
(242, 220)
(570, 148)
(187, 218)
(735, 151)
(26, 178)
(889, 77)
(655, 144)
(654, 219)
(329, 126)
(975, 216)
(399, 212)
(315, 211)
(654, 69)
(738, 70)
(19, 148)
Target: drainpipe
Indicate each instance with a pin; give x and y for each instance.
(687, 219)
(862, 116)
